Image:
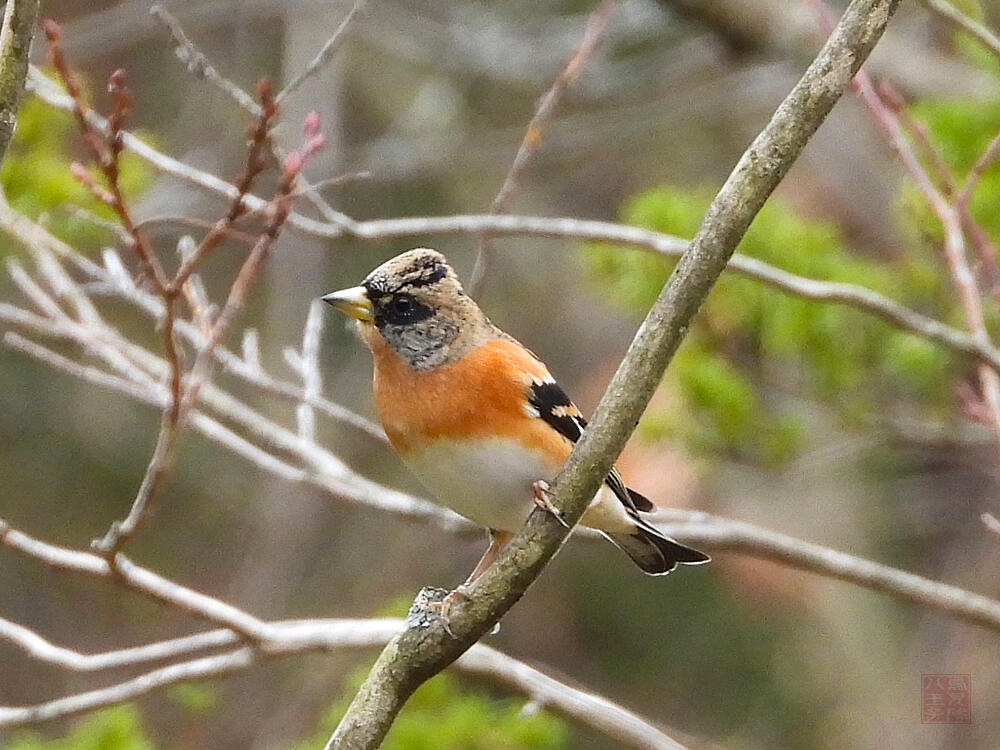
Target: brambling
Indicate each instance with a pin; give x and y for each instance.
(476, 416)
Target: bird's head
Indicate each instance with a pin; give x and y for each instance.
(415, 303)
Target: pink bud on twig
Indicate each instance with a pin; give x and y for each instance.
(293, 163)
(116, 80)
(310, 127)
(53, 32)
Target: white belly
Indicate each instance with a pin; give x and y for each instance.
(490, 483)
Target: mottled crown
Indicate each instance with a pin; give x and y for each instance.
(413, 270)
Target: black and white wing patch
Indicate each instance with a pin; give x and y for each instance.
(554, 407)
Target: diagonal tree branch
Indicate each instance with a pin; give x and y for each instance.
(19, 19)
(420, 652)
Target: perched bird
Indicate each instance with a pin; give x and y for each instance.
(476, 416)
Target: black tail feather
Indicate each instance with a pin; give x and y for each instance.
(654, 552)
(641, 502)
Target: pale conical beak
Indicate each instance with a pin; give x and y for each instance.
(353, 301)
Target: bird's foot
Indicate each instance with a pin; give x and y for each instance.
(544, 501)
(425, 609)
(434, 605)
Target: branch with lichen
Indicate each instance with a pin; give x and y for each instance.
(19, 19)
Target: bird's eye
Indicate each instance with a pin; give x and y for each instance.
(401, 310)
(402, 305)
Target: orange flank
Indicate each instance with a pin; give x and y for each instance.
(481, 395)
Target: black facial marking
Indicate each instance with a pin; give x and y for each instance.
(399, 310)
(429, 273)
(546, 398)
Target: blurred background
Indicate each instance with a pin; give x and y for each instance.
(812, 420)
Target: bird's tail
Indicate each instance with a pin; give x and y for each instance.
(653, 551)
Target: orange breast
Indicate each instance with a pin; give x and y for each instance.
(482, 395)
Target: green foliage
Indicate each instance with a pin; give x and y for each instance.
(195, 697)
(37, 180)
(751, 343)
(116, 728)
(444, 714)
(960, 129)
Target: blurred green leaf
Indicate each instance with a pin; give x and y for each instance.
(445, 714)
(117, 728)
(751, 342)
(37, 180)
(194, 697)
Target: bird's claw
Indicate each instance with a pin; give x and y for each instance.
(543, 501)
(439, 608)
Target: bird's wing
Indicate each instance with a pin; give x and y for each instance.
(555, 408)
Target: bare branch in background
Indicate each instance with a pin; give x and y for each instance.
(326, 53)
(186, 50)
(375, 230)
(949, 214)
(106, 142)
(199, 65)
(596, 23)
(991, 522)
(718, 533)
(268, 640)
(962, 22)
(310, 636)
(141, 580)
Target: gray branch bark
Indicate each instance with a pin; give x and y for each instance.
(425, 648)
(19, 20)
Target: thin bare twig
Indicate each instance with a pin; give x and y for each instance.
(195, 223)
(718, 533)
(186, 50)
(326, 53)
(252, 266)
(180, 403)
(532, 140)
(960, 197)
(259, 135)
(991, 522)
(141, 580)
(106, 147)
(306, 364)
(197, 64)
(105, 144)
(964, 23)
